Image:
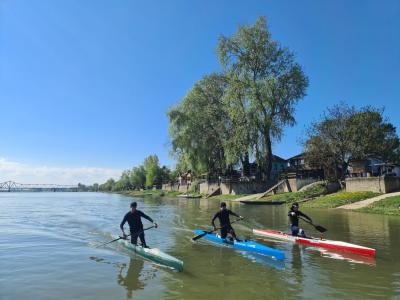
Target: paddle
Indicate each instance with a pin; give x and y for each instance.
(318, 227)
(195, 238)
(122, 238)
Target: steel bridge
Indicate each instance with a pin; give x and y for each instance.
(11, 186)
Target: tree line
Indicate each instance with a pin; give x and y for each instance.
(144, 176)
(232, 117)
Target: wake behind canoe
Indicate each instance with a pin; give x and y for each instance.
(250, 246)
(322, 243)
(154, 254)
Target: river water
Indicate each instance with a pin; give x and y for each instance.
(47, 251)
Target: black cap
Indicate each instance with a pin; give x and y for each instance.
(133, 204)
(223, 204)
(295, 205)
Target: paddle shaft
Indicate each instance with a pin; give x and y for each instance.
(120, 238)
(318, 227)
(211, 231)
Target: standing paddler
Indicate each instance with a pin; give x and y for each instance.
(294, 214)
(134, 219)
(224, 221)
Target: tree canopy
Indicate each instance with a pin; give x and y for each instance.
(345, 133)
(226, 118)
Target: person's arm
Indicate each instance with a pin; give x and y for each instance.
(213, 220)
(143, 215)
(305, 216)
(234, 214)
(122, 225)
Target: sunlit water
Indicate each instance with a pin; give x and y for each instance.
(47, 251)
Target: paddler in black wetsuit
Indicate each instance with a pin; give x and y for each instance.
(225, 223)
(294, 214)
(133, 217)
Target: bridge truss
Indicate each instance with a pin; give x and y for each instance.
(11, 186)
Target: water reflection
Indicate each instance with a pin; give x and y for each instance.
(297, 264)
(350, 257)
(264, 260)
(132, 277)
(132, 280)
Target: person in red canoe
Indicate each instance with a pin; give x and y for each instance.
(224, 221)
(294, 214)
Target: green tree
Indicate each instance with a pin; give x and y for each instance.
(138, 177)
(153, 171)
(345, 133)
(266, 83)
(198, 126)
(95, 187)
(108, 185)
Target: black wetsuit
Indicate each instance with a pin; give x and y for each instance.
(225, 223)
(294, 221)
(136, 225)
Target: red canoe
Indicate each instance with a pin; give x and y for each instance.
(322, 243)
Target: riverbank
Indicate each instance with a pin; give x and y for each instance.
(388, 206)
(162, 193)
(338, 199)
(315, 197)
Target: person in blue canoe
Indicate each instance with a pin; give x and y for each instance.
(294, 214)
(134, 219)
(224, 221)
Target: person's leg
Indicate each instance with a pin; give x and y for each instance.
(224, 233)
(134, 237)
(142, 240)
(295, 230)
(302, 233)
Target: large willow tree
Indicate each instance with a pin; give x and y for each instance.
(198, 127)
(264, 85)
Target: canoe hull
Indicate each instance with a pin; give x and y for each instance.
(245, 245)
(321, 243)
(154, 254)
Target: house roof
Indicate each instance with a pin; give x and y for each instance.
(277, 158)
(301, 155)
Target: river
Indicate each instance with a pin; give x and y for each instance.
(47, 251)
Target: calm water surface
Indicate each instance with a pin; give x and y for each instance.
(47, 251)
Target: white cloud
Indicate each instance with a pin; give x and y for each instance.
(41, 174)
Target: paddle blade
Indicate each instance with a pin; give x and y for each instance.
(195, 238)
(320, 228)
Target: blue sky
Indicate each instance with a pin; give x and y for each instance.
(85, 85)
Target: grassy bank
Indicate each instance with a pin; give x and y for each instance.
(157, 193)
(338, 199)
(315, 191)
(388, 206)
(227, 197)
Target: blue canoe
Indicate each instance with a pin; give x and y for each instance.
(245, 245)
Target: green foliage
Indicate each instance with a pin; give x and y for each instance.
(345, 133)
(338, 199)
(265, 84)
(107, 186)
(140, 177)
(226, 118)
(153, 171)
(388, 206)
(197, 127)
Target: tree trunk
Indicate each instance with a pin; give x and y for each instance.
(268, 156)
(246, 165)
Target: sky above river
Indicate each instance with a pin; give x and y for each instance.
(85, 85)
